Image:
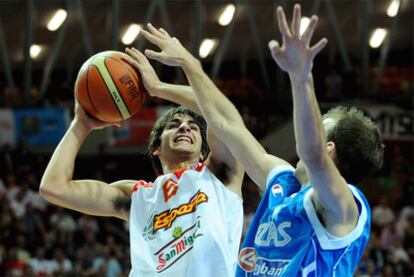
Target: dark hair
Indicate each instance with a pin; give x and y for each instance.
(155, 136)
(359, 151)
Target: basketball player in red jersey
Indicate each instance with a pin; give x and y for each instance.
(177, 221)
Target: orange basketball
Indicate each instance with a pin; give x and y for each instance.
(109, 88)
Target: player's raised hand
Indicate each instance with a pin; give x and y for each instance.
(141, 63)
(172, 52)
(296, 55)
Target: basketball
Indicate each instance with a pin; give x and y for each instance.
(109, 88)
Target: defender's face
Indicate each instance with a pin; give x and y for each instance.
(181, 135)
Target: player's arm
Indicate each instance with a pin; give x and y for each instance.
(86, 196)
(331, 193)
(220, 160)
(221, 115)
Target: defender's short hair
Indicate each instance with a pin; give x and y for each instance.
(359, 151)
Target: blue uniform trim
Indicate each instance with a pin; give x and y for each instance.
(328, 241)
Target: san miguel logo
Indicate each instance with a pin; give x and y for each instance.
(169, 188)
(166, 218)
(178, 247)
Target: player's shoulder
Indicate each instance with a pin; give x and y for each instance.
(278, 172)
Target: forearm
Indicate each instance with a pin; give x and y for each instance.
(62, 163)
(309, 131)
(179, 94)
(219, 112)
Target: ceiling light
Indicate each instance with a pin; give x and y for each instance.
(227, 15)
(393, 8)
(207, 46)
(57, 20)
(35, 51)
(304, 23)
(377, 37)
(131, 34)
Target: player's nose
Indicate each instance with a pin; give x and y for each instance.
(184, 127)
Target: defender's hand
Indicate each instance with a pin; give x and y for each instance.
(295, 56)
(172, 52)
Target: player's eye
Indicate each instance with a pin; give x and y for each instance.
(194, 127)
(172, 125)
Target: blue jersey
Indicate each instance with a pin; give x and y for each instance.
(286, 237)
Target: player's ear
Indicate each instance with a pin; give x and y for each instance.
(331, 147)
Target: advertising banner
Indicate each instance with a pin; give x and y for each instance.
(40, 127)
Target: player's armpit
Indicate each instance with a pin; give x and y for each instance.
(91, 197)
(332, 198)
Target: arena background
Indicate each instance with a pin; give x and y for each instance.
(36, 105)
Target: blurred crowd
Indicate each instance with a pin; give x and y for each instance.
(41, 239)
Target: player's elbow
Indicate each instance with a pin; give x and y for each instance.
(47, 188)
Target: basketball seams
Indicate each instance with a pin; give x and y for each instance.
(120, 94)
(107, 88)
(111, 87)
(87, 91)
(139, 83)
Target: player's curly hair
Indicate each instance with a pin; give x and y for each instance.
(359, 150)
(155, 136)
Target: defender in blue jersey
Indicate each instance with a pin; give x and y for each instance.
(311, 221)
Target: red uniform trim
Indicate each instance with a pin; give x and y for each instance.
(141, 184)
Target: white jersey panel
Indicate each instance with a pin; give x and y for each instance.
(186, 223)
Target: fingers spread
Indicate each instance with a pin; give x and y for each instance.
(152, 38)
(153, 55)
(283, 26)
(296, 21)
(154, 30)
(318, 47)
(307, 35)
(164, 32)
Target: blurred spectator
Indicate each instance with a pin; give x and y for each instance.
(22, 253)
(12, 187)
(40, 265)
(387, 236)
(382, 214)
(377, 254)
(60, 265)
(106, 264)
(65, 223)
(6, 158)
(34, 226)
(88, 223)
(401, 259)
(403, 221)
(82, 265)
(12, 266)
(17, 203)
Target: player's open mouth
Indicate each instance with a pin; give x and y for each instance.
(183, 139)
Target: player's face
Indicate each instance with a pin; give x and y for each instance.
(181, 135)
